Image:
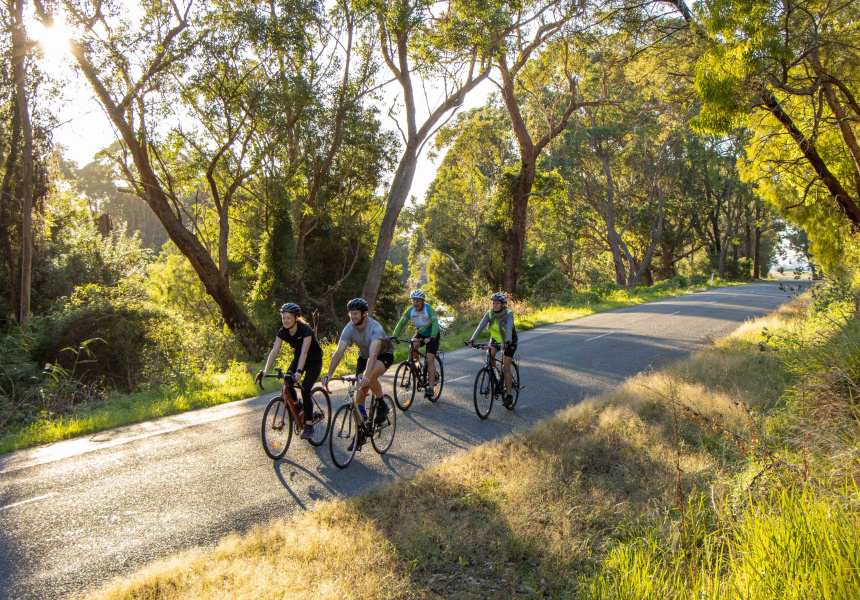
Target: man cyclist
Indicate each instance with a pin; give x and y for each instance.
(307, 358)
(501, 321)
(375, 355)
(424, 317)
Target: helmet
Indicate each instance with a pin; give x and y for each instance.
(289, 307)
(500, 296)
(417, 295)
(357, 304)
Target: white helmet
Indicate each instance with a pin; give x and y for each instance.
(417, 295)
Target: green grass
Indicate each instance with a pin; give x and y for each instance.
(209, 389)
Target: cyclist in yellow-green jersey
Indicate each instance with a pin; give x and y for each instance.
(501, 321)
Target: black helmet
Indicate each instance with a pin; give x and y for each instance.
(289, 307)
(358, 304)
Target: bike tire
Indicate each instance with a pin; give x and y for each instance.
(322, 404)
(276, 431)
(515, 385)
(404, 386)
(344, 430)
(483, 393)
(440, 380)
(383, 434)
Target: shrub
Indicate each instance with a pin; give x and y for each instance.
(551, 286)
(606, 289)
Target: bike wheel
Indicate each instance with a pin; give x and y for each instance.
(383, 433)
(404, 386)
(276, 430)
(344, 433)
(440, 380)
(483, 393)
(515, 386)
(322, 407)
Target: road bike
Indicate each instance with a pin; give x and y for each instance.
(349, 430)
(411, 375)
(279, 423)
(490, 382)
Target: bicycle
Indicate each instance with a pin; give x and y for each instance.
(412, 375)
(349, 430)
(489, 383)
(278, 424)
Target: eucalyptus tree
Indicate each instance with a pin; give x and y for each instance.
(135, 63)
(445, 49)
(788, 72)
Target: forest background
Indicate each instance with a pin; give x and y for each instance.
(628, 146)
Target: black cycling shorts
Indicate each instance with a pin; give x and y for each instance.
(432, 345)
(386, 359)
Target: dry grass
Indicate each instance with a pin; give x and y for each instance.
(532, 515)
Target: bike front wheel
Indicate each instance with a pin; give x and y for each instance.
(404, 386)
(344, 433)
(277, 428)
(383, 433)
(483, 393)
(321, 419)
(440, 380)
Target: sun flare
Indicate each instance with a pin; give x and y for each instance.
(54, 41)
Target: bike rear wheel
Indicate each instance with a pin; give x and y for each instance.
(483, 393)
(322, 407)
(383, 433)
(404, 386)
(276, 431)
(344, 434)
(440, 379)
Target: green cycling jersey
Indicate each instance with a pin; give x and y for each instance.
(425, 321)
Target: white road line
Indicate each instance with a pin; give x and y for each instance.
(674, 313)
(27, 501)
(714, 302)
(457, 379)
(600, 336)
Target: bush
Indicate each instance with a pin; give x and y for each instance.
(551, 286)
(606, 289)
(105, 337)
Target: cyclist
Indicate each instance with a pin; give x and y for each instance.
(424, 317)
(501, 321)
(375, 355)
(307, 357)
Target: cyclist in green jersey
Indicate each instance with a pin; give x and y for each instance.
(424, 317)
(501, 321)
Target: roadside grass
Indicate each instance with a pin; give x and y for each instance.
(682, 483)
(201, 390)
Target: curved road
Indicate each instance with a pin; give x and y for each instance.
(75, 514)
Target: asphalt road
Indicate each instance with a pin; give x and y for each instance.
(75, 514)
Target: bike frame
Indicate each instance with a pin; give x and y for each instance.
(417, 371)
(288, 392)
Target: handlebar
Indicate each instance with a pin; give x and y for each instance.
(346, 378)
(485, 345)
(412, 341)
(279, 374)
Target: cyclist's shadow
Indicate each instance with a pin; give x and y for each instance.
(284, 464)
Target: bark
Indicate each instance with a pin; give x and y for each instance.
(151, 191)
(19, 40)
(8, 214)
(807, 147)
(757, 244)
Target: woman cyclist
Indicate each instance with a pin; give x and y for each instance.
(424, 317)
(501, 321)
(307, 357)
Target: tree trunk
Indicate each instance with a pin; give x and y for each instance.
(515, 238)
(397, 195)
(757, 244)
(8, 214)
(19, 40)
